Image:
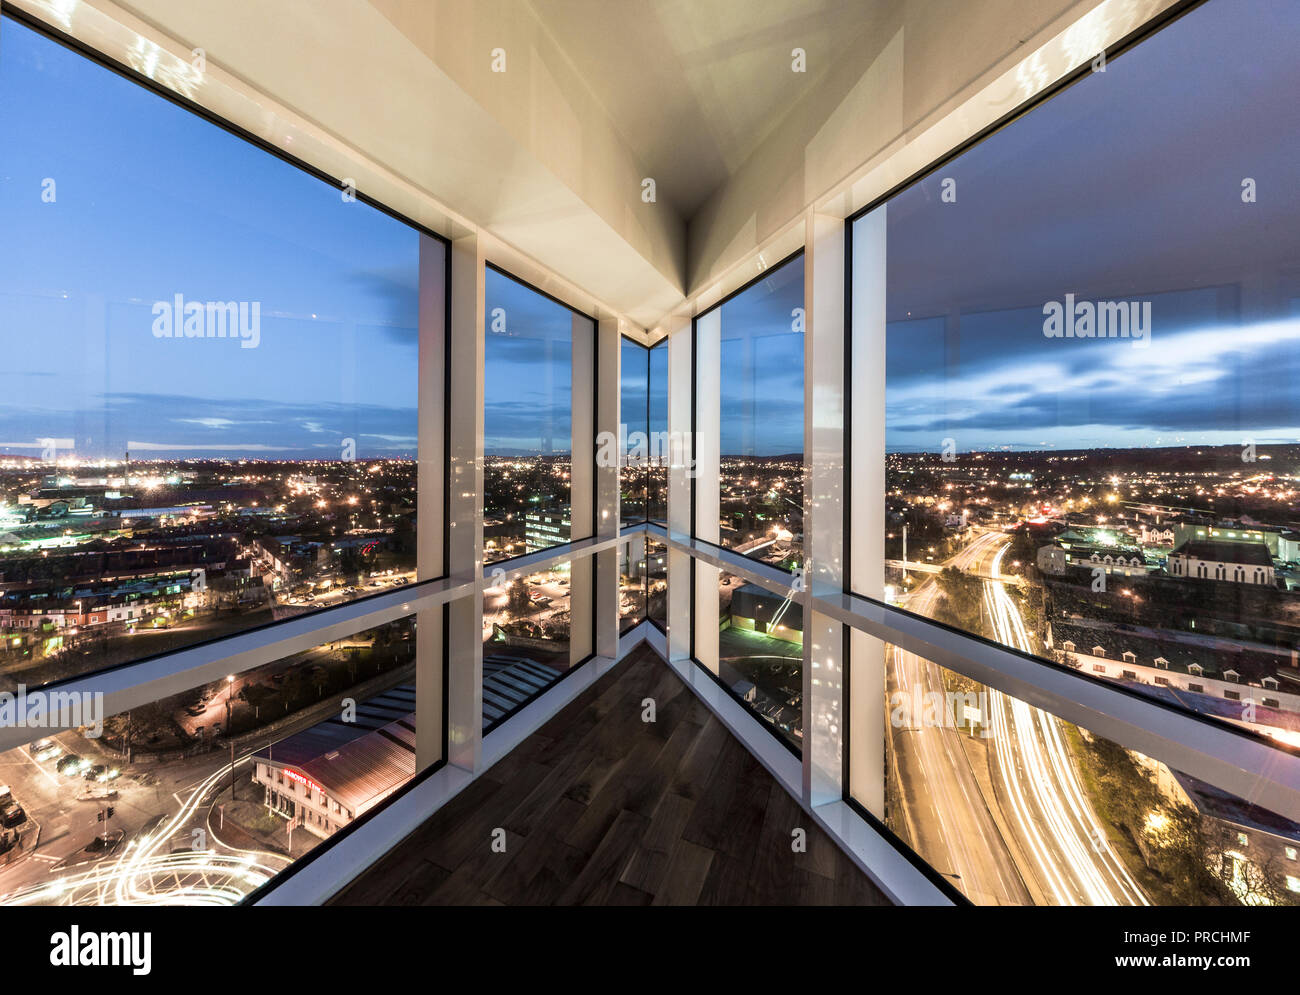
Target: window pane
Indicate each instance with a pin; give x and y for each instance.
(527, 419)
(1014, 806)
(657, 583)
(631, 583)
(208, 411)
(760, 653)
(761, 435)
(320, 738)
(661, 448)
(528, 637)
(1091, 413)
(634, 388)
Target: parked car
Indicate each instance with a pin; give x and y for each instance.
(45, 749)
(12, 815)
(71, 765)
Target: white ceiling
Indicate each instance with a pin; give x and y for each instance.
(694, 87)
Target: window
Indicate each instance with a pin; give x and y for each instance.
(1078, 420)
(194, 442)
(532, 353)
(660, 444)
(635, 431)
(760, 654)
(302, 694)
(1013, 805)
(530, 640)
(656, 579)
(749, 390)
(631, 583)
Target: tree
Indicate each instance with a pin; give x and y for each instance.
(960, 598)
(518, 600)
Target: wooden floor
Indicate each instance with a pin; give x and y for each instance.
(600, 808)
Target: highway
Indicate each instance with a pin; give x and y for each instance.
(1058, 851)
(1041, 788)
(948, 819)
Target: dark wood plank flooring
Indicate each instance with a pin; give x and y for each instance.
(600, 808)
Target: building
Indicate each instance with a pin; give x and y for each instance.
(757, 609)
(326, 776)
(544, 529)
(1230, 561)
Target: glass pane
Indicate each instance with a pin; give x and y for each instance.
(527, 419)
(657, 583)
(634, 389)
(760, 653)
(631, 583)
(761, 441)
(1014, 806)
(153, 811)
(527, 629)
(1092, 435)
(192, 441)
(661, 450)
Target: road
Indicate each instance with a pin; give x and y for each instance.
(949, 821)
(1041, 788)
(168, 856)
(1058, 850)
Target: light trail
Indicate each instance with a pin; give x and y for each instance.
(1047, 801)
(142, 875)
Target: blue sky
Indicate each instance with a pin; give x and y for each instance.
(1126, 186)
(151, 201)
(762, 367)
(528, 373)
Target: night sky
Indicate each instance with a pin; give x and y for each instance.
(152, 201)
(1127, 186)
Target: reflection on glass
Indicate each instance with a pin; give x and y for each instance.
(1092, 441)
(527, 419)
(526, 636)
(204, 796)
(1014, 806)
(760, 653)
(191, 442)
(761, 513)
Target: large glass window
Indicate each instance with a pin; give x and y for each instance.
(530, 639)
(1012, 805)
(1092, 415)
(760, 416)
(527, 418)
(660, 442)
(208, 396)
(760, 653)
(636, 460)
(201, 797)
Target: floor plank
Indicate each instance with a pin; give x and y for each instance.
(602, 808)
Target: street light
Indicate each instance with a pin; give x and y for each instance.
(230, 690)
